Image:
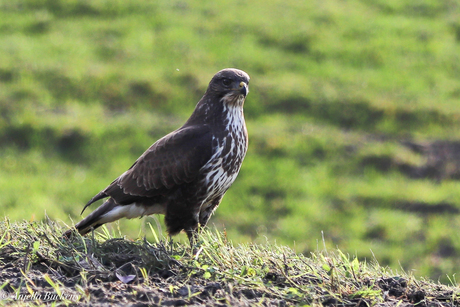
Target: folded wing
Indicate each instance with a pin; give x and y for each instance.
(172, 161)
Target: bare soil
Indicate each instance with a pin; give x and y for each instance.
(121, 272)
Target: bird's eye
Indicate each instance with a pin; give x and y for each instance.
(226, 82)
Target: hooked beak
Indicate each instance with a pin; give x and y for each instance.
(243, 88)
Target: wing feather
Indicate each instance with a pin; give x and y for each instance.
(170, 162)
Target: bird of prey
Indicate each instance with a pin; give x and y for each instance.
(185, 174)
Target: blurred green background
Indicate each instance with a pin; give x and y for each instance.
(353, 115)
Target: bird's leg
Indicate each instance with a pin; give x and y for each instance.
(170, 243)
(192, 236)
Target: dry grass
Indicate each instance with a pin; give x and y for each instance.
(40, 268)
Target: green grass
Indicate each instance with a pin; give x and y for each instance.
(337, 90)
(40, 267)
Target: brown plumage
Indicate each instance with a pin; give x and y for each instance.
(185, 174)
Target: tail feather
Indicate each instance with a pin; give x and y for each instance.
(99, 196)
(95, 219)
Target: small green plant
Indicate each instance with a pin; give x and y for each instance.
(102, 270)
(352, 116)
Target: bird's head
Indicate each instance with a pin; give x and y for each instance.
(226, 91)
(230, 86)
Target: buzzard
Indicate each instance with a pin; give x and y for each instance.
(185, 174)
